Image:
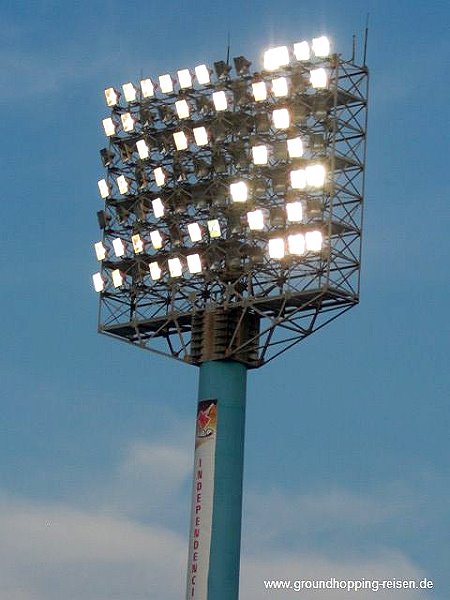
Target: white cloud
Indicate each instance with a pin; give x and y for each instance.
(124, 543)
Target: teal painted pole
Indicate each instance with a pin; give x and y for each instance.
(226, 381)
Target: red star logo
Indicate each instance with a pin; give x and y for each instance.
(203, 419)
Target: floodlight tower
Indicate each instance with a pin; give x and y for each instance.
(231, 231)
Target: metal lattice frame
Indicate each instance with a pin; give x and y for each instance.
(286, 299)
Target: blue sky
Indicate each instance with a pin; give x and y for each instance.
(352, 477)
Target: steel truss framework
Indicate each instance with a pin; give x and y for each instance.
(286, 299)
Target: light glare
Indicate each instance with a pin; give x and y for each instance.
(129, 91)
(202, 74)
(117, 278)
(281, 118)
(103, 188)
(280, 87)
(175, 268)
(239, 191)
(296, 244)
(276, 248)
(302, 51)
(127, 122)
(298, 179)
(119, 247)
(109, 127)
(184, 78)
(255, 220)
(220, 100)
(157, 240)
(142, 149)
(155, 271)
(313, 241)
(182, 108)
(295, 147)
(160, 177)
(294, 211)
(194, 263)
(319, 78)
(180, 140)
(166, 84)
(315, 175)
(138, 244)
(201, 136)
(100, 251)
(214, 228)
(274, 58)
(259, 91)
(260, 155)
(321, 46)
(195, 232)
(148, 91)
(122, 184)
(158, 208)
(98, 282)
(112, 97)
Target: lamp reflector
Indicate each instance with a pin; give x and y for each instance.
(129, 91)
(202, 74)
(294, 211)
(214, 228)
(201, 136)
(122, 184)
(302, 51)
(295, 147)
(119, 247)
(112, 97)
(147, 88)
(155, 271)
(166, 84)
(296, 244)
(195, 232)
(319, 78)
(315, 175)
(103, 188)
(313, 241)
(274, 58)
(98, 282)
(321, 46)
(260, 154)
(142, 149)
(259, 91)
(158, 208)
(138, 244)
(239, 191)
(281, 119)
(220, 100)
(100, 251)
(182, 108)
(160, 176)
(117, 278)
(180, 140)
(255, 219)
(298, 179)
(156, 239)
(276, 248)
(184, 78)
(109, 127)
(194, 263)
(175, 268)
(127, 122)
(280, 87)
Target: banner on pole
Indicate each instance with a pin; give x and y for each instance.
(202, 501)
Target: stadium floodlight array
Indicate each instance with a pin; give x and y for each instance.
(233, 201)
